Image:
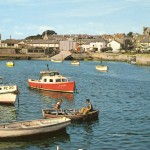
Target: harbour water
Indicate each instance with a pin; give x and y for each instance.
(122, 95)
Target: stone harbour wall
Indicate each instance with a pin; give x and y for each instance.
(141, 59)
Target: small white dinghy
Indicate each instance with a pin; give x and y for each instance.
(32, 127)
(75, 62)
(102, 68)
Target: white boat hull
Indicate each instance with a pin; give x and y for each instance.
(28, 128)
(8, 98)
(75, 63)
(102, 68)
(6, 88)
(8, 93)
(53, 60)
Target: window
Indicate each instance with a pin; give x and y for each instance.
(45, 80)
(35, 51)
(64, 80)
(58, 80)
(50, 80)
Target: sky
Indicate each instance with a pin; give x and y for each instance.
(23, 18)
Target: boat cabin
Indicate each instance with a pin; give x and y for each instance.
(48, 73)
(53, 79)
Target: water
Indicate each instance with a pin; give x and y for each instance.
(122, 95)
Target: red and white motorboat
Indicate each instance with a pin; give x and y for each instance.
(52, 81)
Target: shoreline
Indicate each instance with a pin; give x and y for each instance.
(141, 59)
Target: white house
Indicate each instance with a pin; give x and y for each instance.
(116, 46)
(98, 44)
(85, 47)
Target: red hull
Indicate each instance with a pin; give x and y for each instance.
(61, 87)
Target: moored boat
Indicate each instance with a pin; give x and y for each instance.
(52, 81)
(102, 68)
(8, 93)
(56, 60)
(32, 127)
(8, 98)
(10, 64)
(73, 114)
(75, 62)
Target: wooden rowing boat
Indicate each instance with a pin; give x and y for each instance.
(32, 127)
(72, 114)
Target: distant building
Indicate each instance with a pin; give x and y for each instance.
(43, 44)
(67, 45)
(86, 47)
(116, 46)
(10, 43)
(146, 30)
(145, 43)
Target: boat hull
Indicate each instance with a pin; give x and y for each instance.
(34, 127)
(76, 63)
(102, 68)
(8, 98)
(10, 64)
(60, 87)
(58, 61)
(74, 115)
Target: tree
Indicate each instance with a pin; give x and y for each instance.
(49, 32)
(128, 44)
(38, 36)
(130, 34)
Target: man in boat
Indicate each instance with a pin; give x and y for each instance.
(58, 105)
(87, 109)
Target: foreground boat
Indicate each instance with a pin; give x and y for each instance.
(8, 93)
(102, 68)
(32, 127)
(72, 114)
(52, 81)
(10, 64)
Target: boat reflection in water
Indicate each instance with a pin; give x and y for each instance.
(58, 95)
